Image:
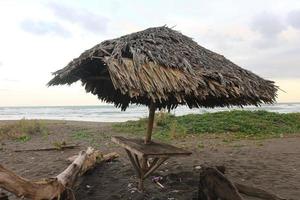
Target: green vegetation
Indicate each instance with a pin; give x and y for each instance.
(23, 129)
(236, 124)
(59, 144)
(81, 135)
(24, 138)
(86, 135)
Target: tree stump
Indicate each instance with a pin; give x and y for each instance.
(213, 185)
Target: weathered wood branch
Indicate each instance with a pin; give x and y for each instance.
(214, 185)
(52, 188)
(48, 149)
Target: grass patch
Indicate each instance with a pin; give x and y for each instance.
(23, 129)
(87, 135)
(200, 145)
(237, 124)
(24, 138)
(59, 144)
(81, 135)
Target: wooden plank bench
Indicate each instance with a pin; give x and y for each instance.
(146, 158)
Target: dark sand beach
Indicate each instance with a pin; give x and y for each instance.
(271, 164)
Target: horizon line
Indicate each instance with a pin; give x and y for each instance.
(106, 104)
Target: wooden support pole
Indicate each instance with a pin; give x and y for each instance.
(143, 171)
(155, 165)
(134, 163)
(150, 123)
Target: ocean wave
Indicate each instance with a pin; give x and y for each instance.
(108, 113)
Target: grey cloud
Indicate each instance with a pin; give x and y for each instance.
(267, 24)
(294, 19)
(1, 64)
(269, 57)
(275, 58)
(271, 70)
(266, 43)
(44, 27)
(282, 64)
(88, 20)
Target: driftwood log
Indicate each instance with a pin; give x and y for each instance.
(213, 185)
(49, 148)
(58, 187)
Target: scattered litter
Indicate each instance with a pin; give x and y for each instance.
(131, 189)
(156, 180)
(198, 167)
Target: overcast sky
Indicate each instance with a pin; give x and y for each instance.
(40, 37)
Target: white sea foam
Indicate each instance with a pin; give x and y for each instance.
(108, 113)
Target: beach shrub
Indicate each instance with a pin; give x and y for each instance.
(22, 129)
(241, 124)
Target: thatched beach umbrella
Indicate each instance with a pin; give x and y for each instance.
(162, 68)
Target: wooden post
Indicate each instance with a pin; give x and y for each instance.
(150, 123)
(143, 171)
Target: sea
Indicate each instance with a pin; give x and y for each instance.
(108, 113)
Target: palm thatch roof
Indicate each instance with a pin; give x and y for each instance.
(162, 66)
